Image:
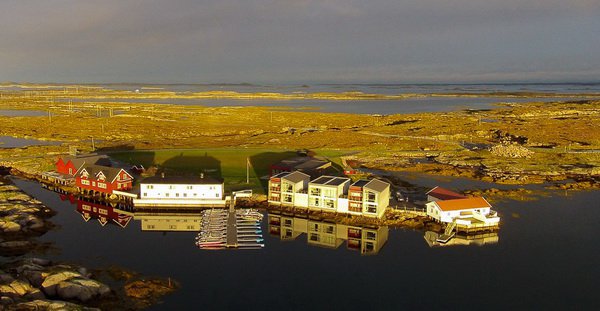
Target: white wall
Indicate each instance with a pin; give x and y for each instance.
(342, 205)
(301, 200)
(182, 192)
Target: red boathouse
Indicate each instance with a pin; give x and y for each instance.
(102, 180)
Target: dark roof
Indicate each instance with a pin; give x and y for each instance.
(183, 180)
(109, 172)
(88, 159)
(377, 185)
(360, 183)
(280, 175)
(303, 163)
(330, 180)
(296, 177)
(444, 194)
(322, 180)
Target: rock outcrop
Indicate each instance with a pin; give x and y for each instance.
(34, 282)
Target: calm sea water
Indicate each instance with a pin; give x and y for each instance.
(22, 113)
(412, 105)
(546, 257)
(12, 142)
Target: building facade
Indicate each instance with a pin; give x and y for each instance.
(468, 212)
(181, 191)
(103, 180)
(330, 194)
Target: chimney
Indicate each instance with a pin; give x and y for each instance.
(162, 175)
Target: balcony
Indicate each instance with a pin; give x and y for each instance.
(356, 209)
(354, 233)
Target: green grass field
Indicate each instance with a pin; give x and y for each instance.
(227, 163)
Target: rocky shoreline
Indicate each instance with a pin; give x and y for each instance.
(39, 284)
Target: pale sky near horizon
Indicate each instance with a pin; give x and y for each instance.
(287, 41)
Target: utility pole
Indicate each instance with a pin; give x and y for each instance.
(93, 146)
(247, 170)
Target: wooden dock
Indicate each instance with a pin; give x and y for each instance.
(221, 229)
(232, 240)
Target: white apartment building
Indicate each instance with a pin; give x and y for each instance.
(327, 193)
(330, 193)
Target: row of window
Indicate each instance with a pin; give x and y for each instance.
(171, 227)
(171, 187)
(185, 195)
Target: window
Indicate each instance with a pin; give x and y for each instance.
(314, 237)
(167, 194)
(150, 226)
(371, 235)
(189, 187)
(329, 193)
(185, 195)
(70, 171)
(288, 233)
(145, 194)
(177, 194)
(329, 203)
(216, 195)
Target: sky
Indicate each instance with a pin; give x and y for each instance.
(299, 41)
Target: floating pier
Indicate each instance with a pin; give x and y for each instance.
(230, 229)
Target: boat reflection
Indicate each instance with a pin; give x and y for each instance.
(367, 240)
(487, 238)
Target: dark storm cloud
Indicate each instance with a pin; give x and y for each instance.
(279, 41)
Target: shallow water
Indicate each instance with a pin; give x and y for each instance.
(12, 142)
(545, 258)
(22, 113)
(412, 105)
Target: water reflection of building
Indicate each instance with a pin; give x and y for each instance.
(103, 213)
(169, 221)
(431, 238)
(367, 240)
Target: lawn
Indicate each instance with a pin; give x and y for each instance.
(227, 163)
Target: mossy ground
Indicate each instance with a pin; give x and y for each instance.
(563, 136)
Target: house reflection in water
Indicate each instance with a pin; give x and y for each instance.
(149, 221)
(169, 221)
(476, 239)
(103, 213)
(367, 240)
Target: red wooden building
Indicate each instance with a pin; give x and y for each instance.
(70, 165)
(102, 180)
